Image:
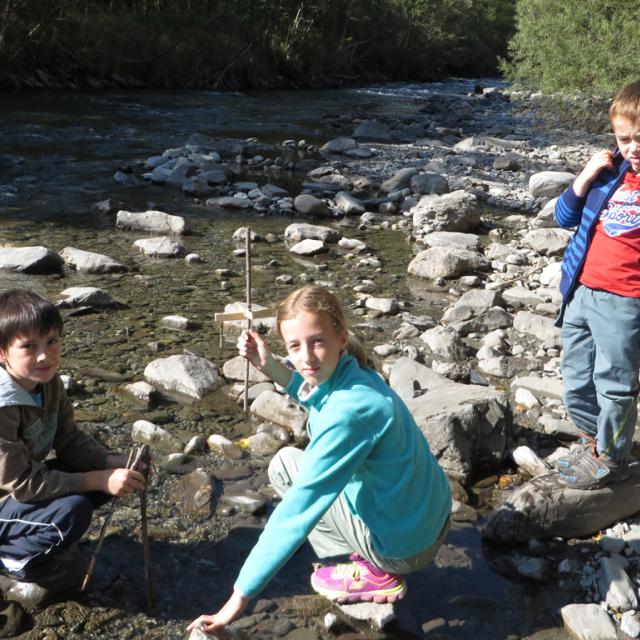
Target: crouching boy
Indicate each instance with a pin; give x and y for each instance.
(45, 503)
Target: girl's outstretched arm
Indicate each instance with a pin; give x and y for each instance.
(231, 610)
(252, 347)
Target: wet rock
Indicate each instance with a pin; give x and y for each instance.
(176, 322)
(247, 503)
(11, 614)
(349, 205)
(630, 623)
(352, 244)
(386, 306)
(197, 444)
(372, 131)
(441, 262)
(91, 296)
(588, 622)
(540, 327)
(468, 241)
(90, 262)
(235, 369)
(142, 391)
(30, 260)
(161, 247)
(429, 183)
(309, 248)
(194, 495)
(455, 211)
(527, 459)
(281, 410)
(339, 145)
(537, 569)
(193, 258)
(543, 508)
(400, 180)
(298, 232)
(465, 425)
(548, 184)
(308, 205)
(225, 447)
(184, 377)
(377, 615)
(145, 432)
(615, 586)
(261, 444)
(549, 242)
(154, 221)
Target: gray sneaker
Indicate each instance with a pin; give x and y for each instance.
(587, 471)
(62, 575)
(586, 443)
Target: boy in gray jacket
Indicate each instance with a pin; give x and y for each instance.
(45, 504)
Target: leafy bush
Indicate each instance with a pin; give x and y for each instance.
(584, 45)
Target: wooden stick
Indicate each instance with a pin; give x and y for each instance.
(144, 455)
(103, 531)
(524, 276)
(248, 278)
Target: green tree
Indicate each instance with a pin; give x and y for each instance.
(582, 45)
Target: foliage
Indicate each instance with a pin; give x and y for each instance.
(574, 45)
(211, 43)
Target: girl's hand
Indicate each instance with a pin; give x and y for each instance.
(599, 161)
(252, 347)
(231, 610)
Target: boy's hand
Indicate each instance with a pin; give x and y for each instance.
(252, 347)
(116, 482)
(599, 161)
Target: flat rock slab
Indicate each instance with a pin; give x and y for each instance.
(543, 508)
(588, 622)
(30, 260)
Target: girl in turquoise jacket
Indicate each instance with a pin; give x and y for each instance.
(366, 485)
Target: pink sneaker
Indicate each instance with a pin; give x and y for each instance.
(357, 581)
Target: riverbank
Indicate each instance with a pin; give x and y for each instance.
(470, 321)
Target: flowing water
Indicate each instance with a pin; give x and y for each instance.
(58, 154)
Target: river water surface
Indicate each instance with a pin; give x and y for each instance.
(58, 154)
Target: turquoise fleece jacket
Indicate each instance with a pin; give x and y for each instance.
(365, 442)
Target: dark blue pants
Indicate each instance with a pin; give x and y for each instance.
(31, 533)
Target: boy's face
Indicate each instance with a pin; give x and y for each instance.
(33, 359)
(628, 138)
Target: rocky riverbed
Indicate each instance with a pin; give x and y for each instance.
(435, 227)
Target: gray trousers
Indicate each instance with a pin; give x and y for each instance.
(601, 344)
(339, 532)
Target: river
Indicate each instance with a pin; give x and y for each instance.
(58, 154)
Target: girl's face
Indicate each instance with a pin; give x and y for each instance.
(314, 345)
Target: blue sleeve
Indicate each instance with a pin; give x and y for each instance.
(568, 209)
(294, 385)
(329, 462)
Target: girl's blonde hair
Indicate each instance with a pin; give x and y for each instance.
(315, 300)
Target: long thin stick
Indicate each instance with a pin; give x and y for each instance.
(144, 456)
(103, 531)
(248, 278)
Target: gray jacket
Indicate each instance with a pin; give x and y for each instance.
(29, 432)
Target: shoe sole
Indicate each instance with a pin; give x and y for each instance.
(379, 597)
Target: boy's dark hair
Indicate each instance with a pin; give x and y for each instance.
(626, 103)
(24, 312)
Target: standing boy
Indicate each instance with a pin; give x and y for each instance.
(600, 314)
(45, 505)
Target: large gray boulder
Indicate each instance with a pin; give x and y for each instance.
(154, 221)
(184, 378)
(549, 242)
(309, 205)
(543, 508)
(30, 259)
(442, 262)
(91, 296)
(282, 410)
(465, 425)
(90, 262)
(161, 247)
(372, 130)
(399, 180)
(588, 622)
(547, 184)
(298, 232)
(455, 211)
